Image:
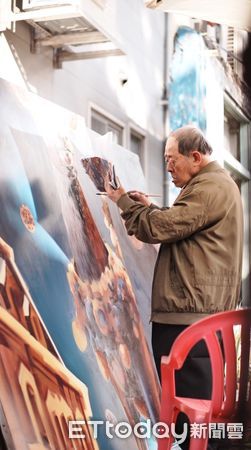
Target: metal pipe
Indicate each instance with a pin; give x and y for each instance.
(164, 103)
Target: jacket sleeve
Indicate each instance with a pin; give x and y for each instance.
(153, 225)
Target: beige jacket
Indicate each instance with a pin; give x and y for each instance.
(198, 269)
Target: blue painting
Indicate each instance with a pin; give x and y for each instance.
(187, 99)
(89, 282)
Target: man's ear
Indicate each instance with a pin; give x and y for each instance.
(197, 157)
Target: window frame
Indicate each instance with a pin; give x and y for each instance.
(240, 170)
(138, 131)
(110, 118)
(233, 110)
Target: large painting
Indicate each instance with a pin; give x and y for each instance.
(74, 288)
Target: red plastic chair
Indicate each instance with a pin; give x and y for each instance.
(229, 391)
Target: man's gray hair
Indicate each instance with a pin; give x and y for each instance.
(191, 138)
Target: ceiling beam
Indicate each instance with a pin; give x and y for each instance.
(62, 55)
(87, 37)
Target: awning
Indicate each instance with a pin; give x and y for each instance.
(236, 13)
(75, 29)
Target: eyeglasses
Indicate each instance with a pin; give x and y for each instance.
(170, 161)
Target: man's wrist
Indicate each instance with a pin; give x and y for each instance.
(125, 201)
(121, 195)
(118, 193)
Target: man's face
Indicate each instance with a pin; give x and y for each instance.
(181, 167)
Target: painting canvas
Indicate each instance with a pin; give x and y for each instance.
(74, 287)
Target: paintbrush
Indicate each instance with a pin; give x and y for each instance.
(146, 195)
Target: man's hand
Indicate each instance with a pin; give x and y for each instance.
(140, 197)
(113, 194)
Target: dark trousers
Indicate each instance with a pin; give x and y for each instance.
(194, 380)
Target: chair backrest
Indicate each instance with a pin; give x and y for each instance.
(227, 337)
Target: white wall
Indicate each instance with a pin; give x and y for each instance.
(78, 83)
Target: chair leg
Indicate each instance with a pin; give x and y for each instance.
(165, 443)
(198, 443)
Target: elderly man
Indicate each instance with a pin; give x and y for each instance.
(198, 270)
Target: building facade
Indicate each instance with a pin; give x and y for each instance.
(118, 63)
(136, 73)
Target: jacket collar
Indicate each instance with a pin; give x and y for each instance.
(212, 166)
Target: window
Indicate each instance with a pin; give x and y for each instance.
(236, 134)
(137, 145)
(232, 135)
(103, 124)
(236, 151)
